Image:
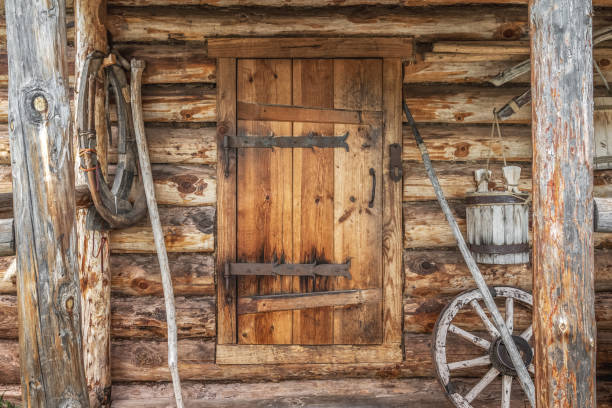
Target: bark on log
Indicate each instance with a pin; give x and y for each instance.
(48, 284)
(564, 315)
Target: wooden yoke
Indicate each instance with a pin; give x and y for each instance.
(48, 290)
(563, 284)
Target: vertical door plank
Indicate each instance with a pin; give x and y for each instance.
(313, 198)
(392, 204)
(357, 227)
(264, 190)
(226, 199)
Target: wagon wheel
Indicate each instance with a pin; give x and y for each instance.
(490, 352)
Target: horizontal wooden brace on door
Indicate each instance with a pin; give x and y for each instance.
(299, 301)
(286, 113)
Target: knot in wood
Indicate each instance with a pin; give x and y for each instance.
(40, 104)
(70, 403)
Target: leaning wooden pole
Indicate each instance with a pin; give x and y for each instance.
(563, 283)
(42, 162)
(94, 253)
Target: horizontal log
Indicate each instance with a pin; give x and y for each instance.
(479, 62)
(7, 237)
(420, 314)
(139, 275)
(434, 273)
(146, 360)
(145, 317)
(186, 229)
(448, 142)
(318, 3)
(456, 179)
(137, 317)
(425, 226)
(603, 214)
(339, 393)
(181, 185)
(128, 24)
(461, 104)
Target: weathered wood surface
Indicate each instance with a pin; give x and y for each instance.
(603, 214)
(138, 275)
(424, 226)
(136, 317)
(421, 313)
(186, 229)
(128, 24)
(564, 313)
(456, 179)
(48, 282)
(433, 273)
(453, 142)
(7, 237)
(145, 360)
(331, 47)
(94, 254)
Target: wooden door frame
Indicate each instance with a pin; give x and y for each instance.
(392, 51)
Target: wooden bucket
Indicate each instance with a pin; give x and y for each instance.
(602, 116)
(498, 227)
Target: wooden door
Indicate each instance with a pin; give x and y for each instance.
(307, 205)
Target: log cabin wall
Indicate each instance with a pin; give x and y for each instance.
(458, 48)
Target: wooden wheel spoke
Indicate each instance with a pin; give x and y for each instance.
(485, 320)
(482, 384)
(472, 338)
(510, 314)
(475, 362)
(531, 369)
(527, 333)
(506, 391)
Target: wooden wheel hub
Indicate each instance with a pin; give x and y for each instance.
(501, 360)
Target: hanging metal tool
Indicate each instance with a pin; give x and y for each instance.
(498, 320)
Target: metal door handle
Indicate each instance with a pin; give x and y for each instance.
(373, 174)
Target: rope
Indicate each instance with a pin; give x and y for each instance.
(494, 126)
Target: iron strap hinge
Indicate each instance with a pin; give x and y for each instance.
(310, 141)
(396, 170)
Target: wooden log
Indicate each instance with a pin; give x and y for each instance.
(319, 3)
(456, 179)
(189, 229)
(7, 237)
(128, 24)
(94, 254)
(424, 226)
(431, 273)
(564, 314)
(46, 241)
(136, 317)
(144, 360)
(603, 214)
(185, 186)
(340, 393)
(421, 313)
(138, 274)
(464, 143)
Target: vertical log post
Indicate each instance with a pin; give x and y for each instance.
(90, 16)
(42, 162)
(562, 88)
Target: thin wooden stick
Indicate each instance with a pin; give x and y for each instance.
(158, 234)
(487, 297)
